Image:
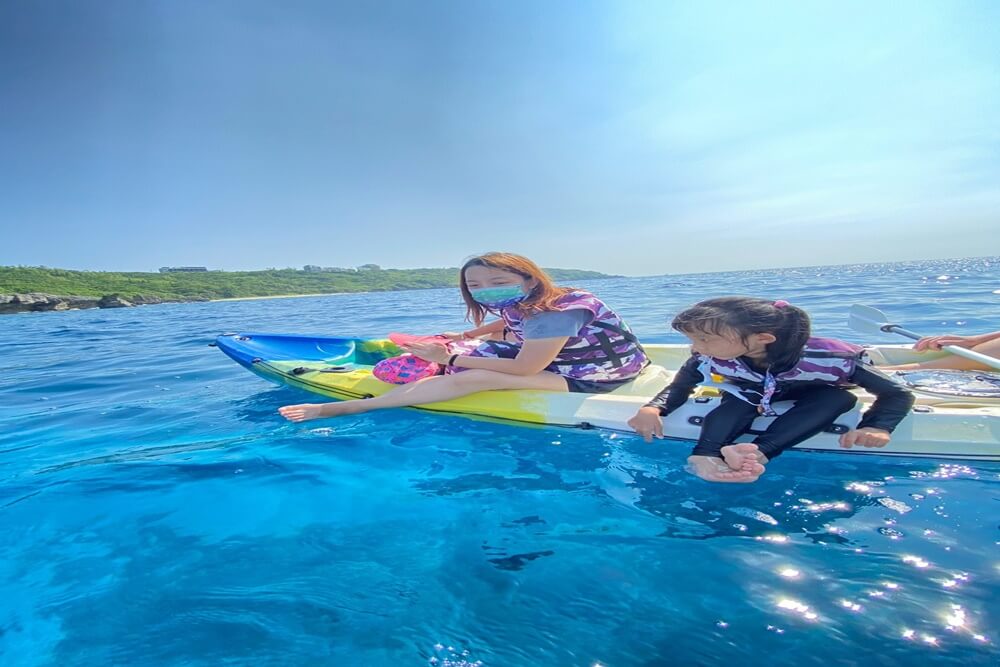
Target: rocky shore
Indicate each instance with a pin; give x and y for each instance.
(35, 302)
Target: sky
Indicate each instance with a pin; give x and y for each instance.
(634, 138)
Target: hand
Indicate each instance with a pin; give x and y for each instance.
(937, 342)
(865, 437)
(452, 335)
(302, 412)
(436, 352)
(648, 423)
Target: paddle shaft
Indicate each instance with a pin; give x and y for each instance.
(950, 349)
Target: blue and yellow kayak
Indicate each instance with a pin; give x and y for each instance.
(942, 426)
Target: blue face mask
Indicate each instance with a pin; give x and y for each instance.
(498, 297)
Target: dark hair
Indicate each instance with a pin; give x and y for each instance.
(542, 295)
(745, 316)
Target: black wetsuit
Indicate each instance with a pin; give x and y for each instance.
(817, 405)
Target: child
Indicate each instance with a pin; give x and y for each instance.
(764, 353)
(560, 339)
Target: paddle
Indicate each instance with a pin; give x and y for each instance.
(871, 320)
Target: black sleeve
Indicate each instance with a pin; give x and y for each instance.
(677, 392)
(892, 401)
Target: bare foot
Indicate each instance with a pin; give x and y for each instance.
(714, 469)
(306, 411)
(745, 457)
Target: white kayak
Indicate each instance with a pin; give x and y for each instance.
(942, 424)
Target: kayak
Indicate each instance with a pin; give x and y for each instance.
(942, 425)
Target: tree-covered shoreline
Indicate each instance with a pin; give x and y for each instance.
(205, 285)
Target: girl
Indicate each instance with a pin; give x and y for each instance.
(763, 352)
(559, 339)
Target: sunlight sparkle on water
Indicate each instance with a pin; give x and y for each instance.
(825, 507)
(916, 561)
(956, 618)
(799, 608)
(947, 471)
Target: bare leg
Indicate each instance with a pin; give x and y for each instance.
(990, 348)
(430, 390)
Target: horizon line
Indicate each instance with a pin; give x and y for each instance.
(555, 268)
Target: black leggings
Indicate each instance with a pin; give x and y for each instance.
(816, 407)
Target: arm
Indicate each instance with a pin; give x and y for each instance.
(892, 404)
(936, 342)
(532, 358)
(496, 326)
(679, 390)
(892, 401)
(648, 421)
(545, 335)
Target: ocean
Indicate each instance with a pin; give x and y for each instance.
(156, 510)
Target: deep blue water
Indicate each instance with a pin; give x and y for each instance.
(156, 510)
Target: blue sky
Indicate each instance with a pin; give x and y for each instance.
(631, 137)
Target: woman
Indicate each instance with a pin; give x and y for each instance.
(553, 339)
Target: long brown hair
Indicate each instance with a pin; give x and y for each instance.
(542, 296)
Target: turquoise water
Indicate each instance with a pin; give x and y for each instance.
(156, 510)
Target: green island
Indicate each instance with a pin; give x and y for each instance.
(42, 288)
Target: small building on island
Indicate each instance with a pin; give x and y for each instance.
(182, 269)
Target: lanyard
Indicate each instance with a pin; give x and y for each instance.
(770, 386)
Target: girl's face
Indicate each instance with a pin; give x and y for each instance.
(729, 345)
(481, 277)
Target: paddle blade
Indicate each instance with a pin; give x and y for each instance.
(866, 319)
